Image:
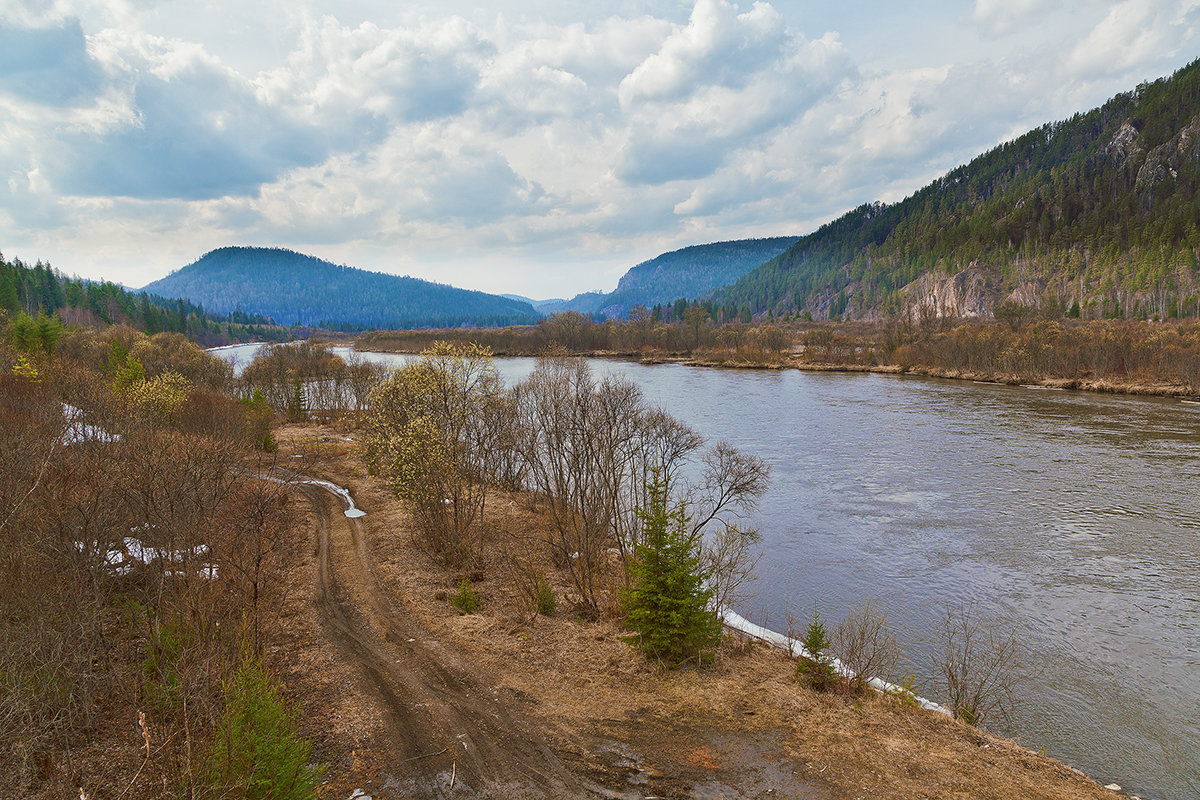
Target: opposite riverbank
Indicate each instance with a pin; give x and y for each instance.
(1139, 388)
(1115, 356)
(1101, 386)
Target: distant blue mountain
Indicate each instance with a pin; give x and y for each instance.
(292, 288)
(691, 272)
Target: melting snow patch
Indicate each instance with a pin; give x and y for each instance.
(79, 431)
(739, 623)
(351, 511)
(122, 558)
(359, 794)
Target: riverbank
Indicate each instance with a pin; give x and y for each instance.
(742, 725)
(1109, 356)
(1102, 386)
(713, 361)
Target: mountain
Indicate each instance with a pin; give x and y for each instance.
(586, 303)
(1093, 216)
(41, 291)
(293, 288)
(690, 272)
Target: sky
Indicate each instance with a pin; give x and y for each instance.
(538, 147)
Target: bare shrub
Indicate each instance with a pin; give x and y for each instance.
(976, 666)
(863, 642)
(729, 558)
(523, 559)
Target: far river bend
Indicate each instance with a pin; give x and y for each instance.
(1073, 516)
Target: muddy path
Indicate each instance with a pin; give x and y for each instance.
(452, 734)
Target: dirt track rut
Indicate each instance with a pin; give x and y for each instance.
(452, 735)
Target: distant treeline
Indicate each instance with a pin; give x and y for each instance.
(38, 294)
(697, 330)
(1106, 355)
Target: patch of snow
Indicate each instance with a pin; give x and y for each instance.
(351, 511)
(737, 622)
(131, 551)
(79, 431)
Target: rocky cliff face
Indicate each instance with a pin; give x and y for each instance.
(1166, 160)
(969, 294)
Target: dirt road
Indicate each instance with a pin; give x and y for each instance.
(453, 735)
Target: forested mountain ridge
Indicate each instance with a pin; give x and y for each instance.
(688, 272)
(43, 294)
(293, 288)
(1096, 216)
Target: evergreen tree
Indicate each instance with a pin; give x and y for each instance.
(297, 405)
(9, 301)
(667, 604)
(49, 328)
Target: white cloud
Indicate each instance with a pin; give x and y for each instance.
(717, 85)
(444, 140)
(392, 75)
(1134, 32)
(717, 46)
(998, 17)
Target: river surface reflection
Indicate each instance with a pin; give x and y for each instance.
(1074, 517)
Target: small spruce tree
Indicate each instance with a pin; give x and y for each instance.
(816, 671)
(667, 605)
(297, 404)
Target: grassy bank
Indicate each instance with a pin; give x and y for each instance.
(584, 688)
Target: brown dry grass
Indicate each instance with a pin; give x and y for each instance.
(581, 679)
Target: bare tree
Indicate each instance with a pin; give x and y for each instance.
(863, 642)
(577, 441)
(975, 667)
(592, 448)
(729, 557)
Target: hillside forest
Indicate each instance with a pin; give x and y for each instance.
(40, 300)
(1097, 216)
(296, 289)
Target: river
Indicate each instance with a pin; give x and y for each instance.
(1072, 517)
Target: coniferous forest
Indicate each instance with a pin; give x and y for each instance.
(1096, 214)
(293, 288)
(38, 300)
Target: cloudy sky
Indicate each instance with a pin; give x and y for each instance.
(533, 146)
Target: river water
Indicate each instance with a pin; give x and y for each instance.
(1073, 517)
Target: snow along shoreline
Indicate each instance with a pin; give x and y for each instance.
(730, 618)
(737, 622)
